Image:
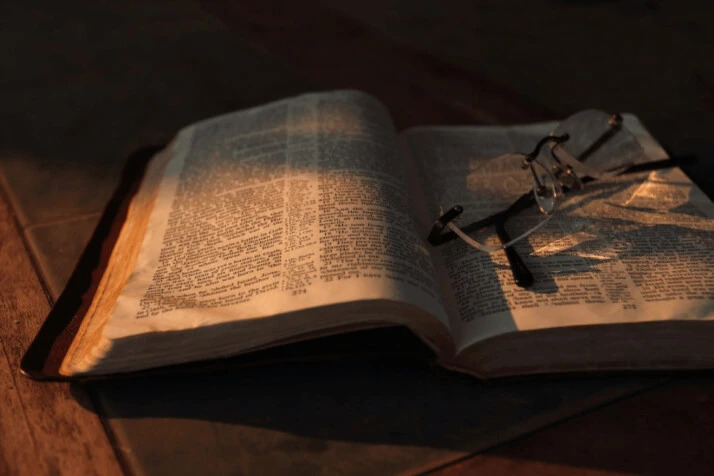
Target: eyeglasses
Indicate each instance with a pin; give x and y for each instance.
(587, 146)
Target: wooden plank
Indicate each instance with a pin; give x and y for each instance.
(336, 51)
(17, 448)
(661, 431)
(45, 428)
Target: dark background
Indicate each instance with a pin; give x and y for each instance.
(80, 78)
(82, 84)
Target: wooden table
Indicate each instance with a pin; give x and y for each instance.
(51, 428)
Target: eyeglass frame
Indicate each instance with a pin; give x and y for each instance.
(521, 274)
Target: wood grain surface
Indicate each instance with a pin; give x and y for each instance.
(335, 51)
(666, 430)
(45, 428)
(50, 428)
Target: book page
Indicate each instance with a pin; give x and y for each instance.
(294, 205)
(635, 248)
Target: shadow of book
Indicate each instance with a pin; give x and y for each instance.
(364, 402)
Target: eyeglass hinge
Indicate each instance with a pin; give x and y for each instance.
(549, 138)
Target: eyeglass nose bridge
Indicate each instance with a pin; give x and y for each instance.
(567, 176)
(563, 173)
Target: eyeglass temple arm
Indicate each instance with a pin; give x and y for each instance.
(438, 237)
(521, 274)
(614, 125)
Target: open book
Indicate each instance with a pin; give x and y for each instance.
(308, 217)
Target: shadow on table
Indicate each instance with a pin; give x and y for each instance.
(358, 414)
(660, 431)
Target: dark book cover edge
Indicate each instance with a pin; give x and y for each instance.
(44, 356)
